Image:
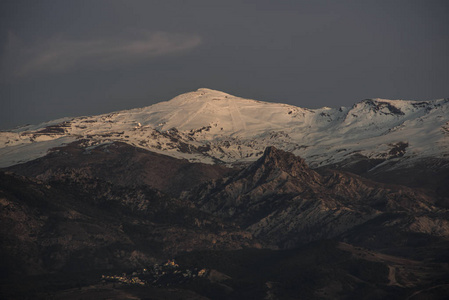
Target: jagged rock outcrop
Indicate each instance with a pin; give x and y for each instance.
(280, 199)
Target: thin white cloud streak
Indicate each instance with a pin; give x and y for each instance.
(61, 55)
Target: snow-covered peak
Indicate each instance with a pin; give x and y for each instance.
(224, 113)
(209, 126)
(202, 94)
(211, 92)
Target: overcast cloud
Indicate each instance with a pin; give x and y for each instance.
(64, 58)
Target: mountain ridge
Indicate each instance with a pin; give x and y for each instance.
(280, 200)
(98, 208)
(373, 136)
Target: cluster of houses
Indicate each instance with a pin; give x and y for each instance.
(166, 274)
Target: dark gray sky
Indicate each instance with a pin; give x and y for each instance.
(70, 58)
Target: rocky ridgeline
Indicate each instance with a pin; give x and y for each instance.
(106, 208)
(280, 200)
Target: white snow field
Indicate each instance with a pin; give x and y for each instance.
(214, 127)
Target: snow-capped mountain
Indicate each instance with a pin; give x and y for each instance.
(109, 192)
(214, 127)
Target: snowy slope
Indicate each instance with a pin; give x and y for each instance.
(212, 126)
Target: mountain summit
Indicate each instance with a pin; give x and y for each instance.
(214, 127)
(286, 161)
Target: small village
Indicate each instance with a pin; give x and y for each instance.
(166, 274)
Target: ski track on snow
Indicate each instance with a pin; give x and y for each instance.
(193, 116)
(237, 120)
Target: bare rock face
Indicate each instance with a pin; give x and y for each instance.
(281, 200)
(293, 166)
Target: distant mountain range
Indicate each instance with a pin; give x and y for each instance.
(277, 200)
(211, 126)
